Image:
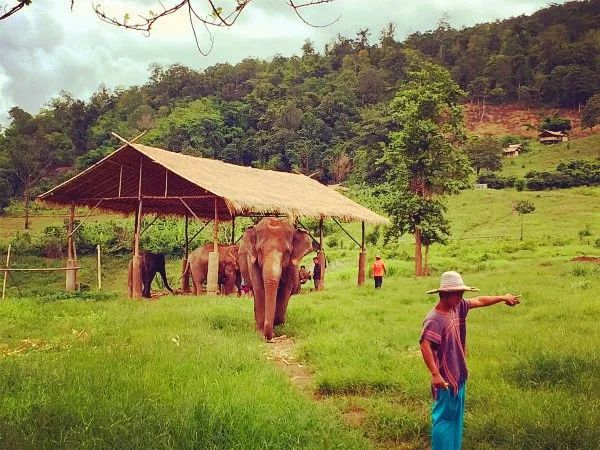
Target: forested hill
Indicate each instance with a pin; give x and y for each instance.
(321, 111)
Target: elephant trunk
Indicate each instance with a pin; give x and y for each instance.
(271, 279)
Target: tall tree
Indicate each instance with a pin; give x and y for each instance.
(424, 154)
(28, 153)
(484, 153)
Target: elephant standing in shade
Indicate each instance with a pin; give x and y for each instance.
(229, 278)
(268, 257)
(153, 263)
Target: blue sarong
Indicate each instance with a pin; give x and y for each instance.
(447, 416)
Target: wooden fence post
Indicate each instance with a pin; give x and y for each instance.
(99, 267)
(362, 259)
(5, 272)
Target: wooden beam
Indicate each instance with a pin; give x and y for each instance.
(43, 269)
(348, 234)
(84, 219)
(149, 225)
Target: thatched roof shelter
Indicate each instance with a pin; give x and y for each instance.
(174, 184)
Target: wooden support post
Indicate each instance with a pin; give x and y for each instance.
(136, 277)
(362, 258)
(212, 279)
(71, 275)
(130, 279)
(321, 257)
(185, 280)
(233, 230)
(99, 267)
(5, 272)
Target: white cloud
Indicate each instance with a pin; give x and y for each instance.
(46, 48)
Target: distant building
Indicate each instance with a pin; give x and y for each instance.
(512, 151)
(552, 137)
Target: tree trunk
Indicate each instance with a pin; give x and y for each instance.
(418, 254)
(26, 200)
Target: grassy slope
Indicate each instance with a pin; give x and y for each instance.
(534, 369)
(546, 157)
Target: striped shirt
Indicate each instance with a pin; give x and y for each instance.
(447, 331)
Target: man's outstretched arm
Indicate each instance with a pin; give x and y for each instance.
(489, 300)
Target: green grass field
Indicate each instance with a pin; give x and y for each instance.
(97, 370)
(541, 157)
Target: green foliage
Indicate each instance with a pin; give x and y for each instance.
(585, 232)
(484, 153)
(590, 116)
(555, 123)
(425, 162)
(524, 207)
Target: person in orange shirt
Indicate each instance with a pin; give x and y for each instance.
(379, 270)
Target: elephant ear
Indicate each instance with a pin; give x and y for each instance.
(301, 245)
(249, 242)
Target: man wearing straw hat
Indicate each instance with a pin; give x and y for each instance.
(443, 341)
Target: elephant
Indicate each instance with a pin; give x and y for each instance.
(153, 263)
(268, 258)
(229, 277)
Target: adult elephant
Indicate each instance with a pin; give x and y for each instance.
(269, 256)
(153, 263)
(229, 279)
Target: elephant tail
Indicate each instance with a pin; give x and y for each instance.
(186, 271)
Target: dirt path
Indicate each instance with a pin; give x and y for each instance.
(281, 351)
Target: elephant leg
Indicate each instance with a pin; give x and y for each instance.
(200, 274)
(196, 279)
(283, 294)
(147, 277)
(259, 296)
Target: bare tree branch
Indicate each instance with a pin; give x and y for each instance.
(297, 9)
(20, 4)
(216, 17)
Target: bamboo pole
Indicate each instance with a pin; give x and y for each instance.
(212, 279)
(99, 267)
(6, 271)
(71, 275)
(42, 269)
(321, 257)
(185, 280)
(362, 258)
(136, 278)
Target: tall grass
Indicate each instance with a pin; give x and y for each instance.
(190, 372)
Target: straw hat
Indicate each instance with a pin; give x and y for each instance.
(378, 257)
(452, 282)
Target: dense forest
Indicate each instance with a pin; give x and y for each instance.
(326, 112)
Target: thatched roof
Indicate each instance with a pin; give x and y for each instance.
(174, 184)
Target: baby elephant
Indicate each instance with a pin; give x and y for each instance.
(153, 263)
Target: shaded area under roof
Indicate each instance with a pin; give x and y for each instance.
(175, 184)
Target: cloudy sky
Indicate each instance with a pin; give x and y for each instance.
(46, 48)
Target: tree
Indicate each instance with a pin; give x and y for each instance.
(523, 207)
(590, 116)
(555, 123)
(426, 162)
(484, 153)
(28, 153)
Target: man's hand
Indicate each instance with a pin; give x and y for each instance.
(511, 300)
(439, 382)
